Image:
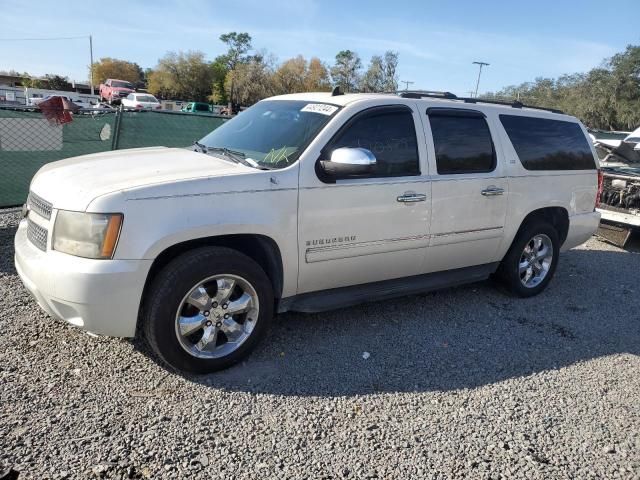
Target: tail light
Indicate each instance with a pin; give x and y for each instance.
(600, 185)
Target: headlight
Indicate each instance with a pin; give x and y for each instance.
(89, 235)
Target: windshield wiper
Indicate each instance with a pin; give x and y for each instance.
(236, 156)
(201, 146)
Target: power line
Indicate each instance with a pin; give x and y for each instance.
(38, 39)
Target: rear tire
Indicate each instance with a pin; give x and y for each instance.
(207, 310)
(531, 262)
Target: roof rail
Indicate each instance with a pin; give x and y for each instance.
(451, 96)
(513, 104)
(426, 93)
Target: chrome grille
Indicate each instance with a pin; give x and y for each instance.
(37, 235)
(39, 205)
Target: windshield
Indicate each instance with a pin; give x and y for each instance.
(147, 98)
(122, 85)
(272, 133)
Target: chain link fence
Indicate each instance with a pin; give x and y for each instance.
(28, 140)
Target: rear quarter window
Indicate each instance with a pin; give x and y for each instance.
(545, 144)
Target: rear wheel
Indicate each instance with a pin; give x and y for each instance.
(530, 263)
(207, 309)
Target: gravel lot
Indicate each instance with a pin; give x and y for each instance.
(463, 383)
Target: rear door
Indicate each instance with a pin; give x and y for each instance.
(469, 188)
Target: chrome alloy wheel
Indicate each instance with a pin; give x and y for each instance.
(535, 260)
(217, 316)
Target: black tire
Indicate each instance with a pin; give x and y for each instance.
(508, 271)
(176, 280)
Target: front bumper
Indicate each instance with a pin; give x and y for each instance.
(100, 296)
(581, 228)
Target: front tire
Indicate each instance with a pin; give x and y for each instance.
(207, 309)
(531, 262)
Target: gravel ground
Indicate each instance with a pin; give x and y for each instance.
(463, 383)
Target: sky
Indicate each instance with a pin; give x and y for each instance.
(437, 41)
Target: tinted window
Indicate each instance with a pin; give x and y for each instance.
(463, 143)
(390, 134)
(202, 107)
(544, 144)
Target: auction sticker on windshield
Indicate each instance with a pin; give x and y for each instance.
(322, 108)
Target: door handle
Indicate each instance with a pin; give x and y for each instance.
(492, 191)
(411, 197)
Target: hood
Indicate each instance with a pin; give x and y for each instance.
(73, 183)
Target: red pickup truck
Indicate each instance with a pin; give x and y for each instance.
(113, 90)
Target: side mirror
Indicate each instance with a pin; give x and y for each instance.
(348, 162)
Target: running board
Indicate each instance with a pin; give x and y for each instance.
(347, 296)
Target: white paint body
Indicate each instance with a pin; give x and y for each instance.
(169, 196)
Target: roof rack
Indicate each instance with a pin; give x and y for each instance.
(426, 93)
(451, 96)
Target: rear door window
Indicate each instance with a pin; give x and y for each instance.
(462, 141)
(545, 144)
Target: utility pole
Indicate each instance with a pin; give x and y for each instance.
(91, 64)
(407, 83)
(481, 64)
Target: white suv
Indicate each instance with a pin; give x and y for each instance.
(304, 202)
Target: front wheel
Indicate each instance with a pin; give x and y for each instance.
(530, 263)
(207, 309)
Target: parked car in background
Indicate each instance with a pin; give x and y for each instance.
(305, 202)
(197, 107)
(141, 101)
(113, 90)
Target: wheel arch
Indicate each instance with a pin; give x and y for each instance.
(558, 217)
(260, 248)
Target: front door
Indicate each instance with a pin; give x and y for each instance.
(469, 189)
(362, 230)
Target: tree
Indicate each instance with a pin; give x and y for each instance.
(290, 77)
(48, 82)
(346, 71)
(57, 82)
(184, 75)
(238, 44)
(297, 75)
(390, 75)
(373, 79)
(381, 74)
(252, 80)
(317, 76)
(119, 69)
(219, 74)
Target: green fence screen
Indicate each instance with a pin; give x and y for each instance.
(28, 140)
